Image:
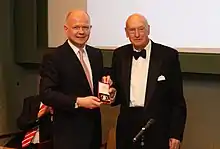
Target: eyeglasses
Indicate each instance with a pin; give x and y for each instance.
(85, 28)
(134, 30)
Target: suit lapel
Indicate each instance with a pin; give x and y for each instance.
(77, 64)
(153, 72)
(126, 66)
(73, 57)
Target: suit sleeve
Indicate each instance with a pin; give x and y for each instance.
(178, 117)
(49, 86)
(114, 77)
(26, 121)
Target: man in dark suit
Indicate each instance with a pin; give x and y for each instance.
(69, 85)
(35, 117)
(148, 81)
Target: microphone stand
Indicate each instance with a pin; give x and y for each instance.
(140, 134)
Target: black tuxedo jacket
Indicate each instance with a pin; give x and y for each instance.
(164, 100)
(28, 118)
(63, 80)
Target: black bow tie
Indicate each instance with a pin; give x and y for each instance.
(142, 53)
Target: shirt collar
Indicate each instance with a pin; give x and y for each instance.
(75, 49)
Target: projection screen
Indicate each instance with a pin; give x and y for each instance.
(189, 26)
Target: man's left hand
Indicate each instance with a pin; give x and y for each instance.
(174, 143)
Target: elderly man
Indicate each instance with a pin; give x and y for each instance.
(148, 81)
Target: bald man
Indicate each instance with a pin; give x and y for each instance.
(148, 81)
(69, 85)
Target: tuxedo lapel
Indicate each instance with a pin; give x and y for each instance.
(153, 72)
(126, 66)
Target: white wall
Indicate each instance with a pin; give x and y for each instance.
(57, 11)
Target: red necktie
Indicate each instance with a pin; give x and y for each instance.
(30, 134)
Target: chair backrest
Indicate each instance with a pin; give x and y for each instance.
(111, 141)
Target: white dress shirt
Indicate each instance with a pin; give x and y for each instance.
(139, 75)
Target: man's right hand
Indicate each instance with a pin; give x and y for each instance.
(89, 102)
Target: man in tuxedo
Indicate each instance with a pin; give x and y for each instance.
(69, 85)
(35, 121)
(148, 81)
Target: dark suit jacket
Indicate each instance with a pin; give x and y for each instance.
(28, 119)
(164, 100)
(63, 80)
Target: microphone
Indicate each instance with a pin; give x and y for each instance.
(143, 129)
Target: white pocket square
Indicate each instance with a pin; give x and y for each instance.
(161, 78)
